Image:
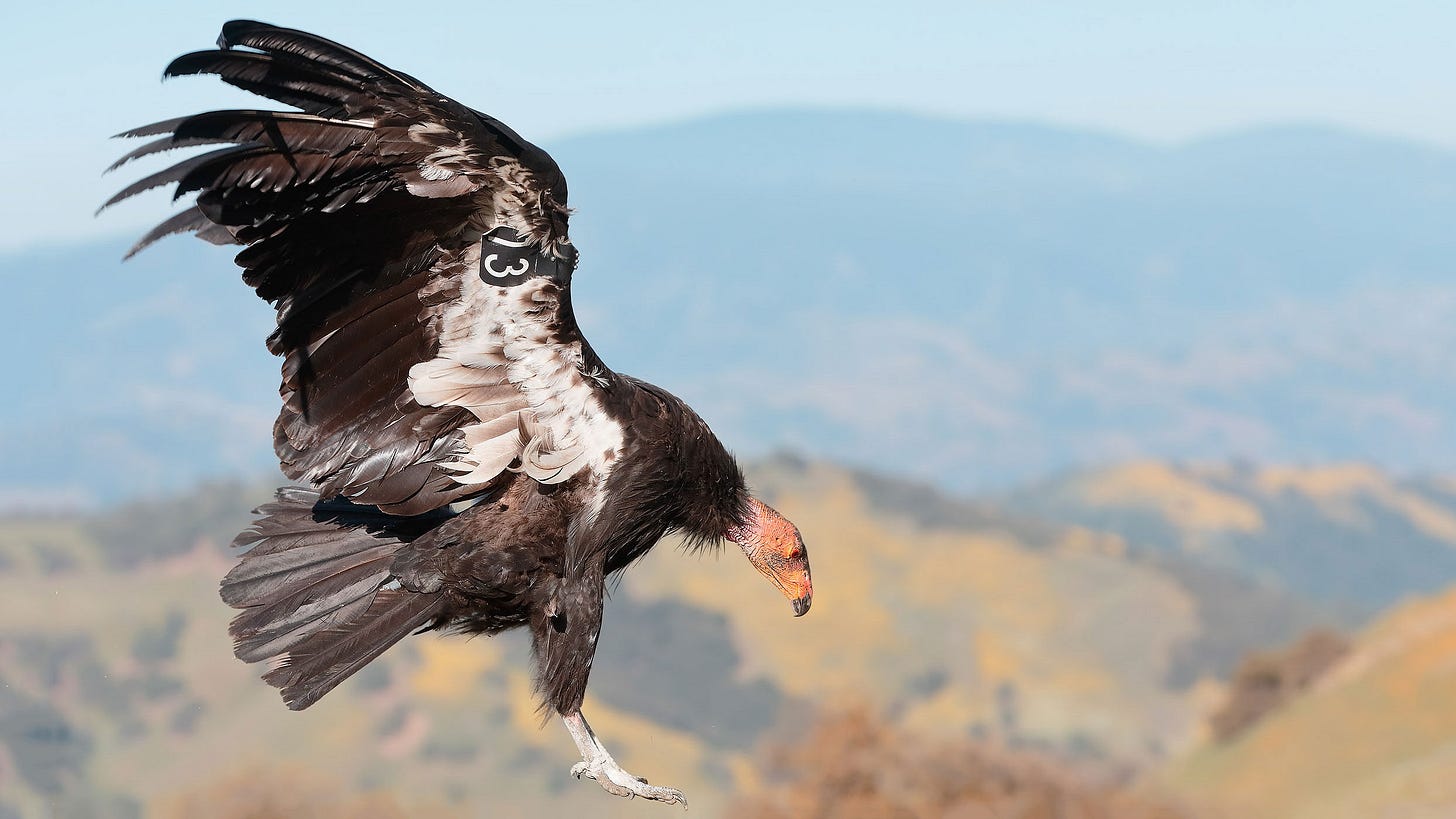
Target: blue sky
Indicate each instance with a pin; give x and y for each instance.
(1158, 71)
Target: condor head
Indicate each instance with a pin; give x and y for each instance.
(773, 545)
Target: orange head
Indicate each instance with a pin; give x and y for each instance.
(774, 547)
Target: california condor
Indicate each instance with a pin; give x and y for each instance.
(470, 464)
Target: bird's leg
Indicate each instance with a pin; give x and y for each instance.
(597, 764)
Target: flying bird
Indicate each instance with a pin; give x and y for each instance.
(468, 462)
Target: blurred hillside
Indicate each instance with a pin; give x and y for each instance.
(1346, 534)
(1375, 736)
(958, 619)
(975, 304)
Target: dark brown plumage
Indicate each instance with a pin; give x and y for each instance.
(418, 257)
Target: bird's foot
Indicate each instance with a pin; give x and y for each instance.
(618, 782)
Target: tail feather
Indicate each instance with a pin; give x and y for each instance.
(323, 660)
(325, 603)
(266, 577)
(273, 642)
(311, 590)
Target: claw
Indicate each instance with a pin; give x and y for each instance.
(618, 782)
(599, 765)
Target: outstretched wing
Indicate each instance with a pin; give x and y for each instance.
(417, 254)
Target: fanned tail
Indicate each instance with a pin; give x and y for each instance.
(312, 590)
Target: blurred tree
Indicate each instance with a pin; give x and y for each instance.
(279, 794)
(1267, 680)
(854, 765)
(145, 531)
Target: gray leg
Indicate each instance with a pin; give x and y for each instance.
(597, 764)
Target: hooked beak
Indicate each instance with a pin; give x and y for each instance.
(794, 582)
(789, 574)
(773, 545)
(801, 605)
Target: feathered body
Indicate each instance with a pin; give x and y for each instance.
(418, 257)
(502, 562)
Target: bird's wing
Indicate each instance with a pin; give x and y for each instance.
(417, 254)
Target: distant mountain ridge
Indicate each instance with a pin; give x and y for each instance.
(1345, 534)
(977, 304)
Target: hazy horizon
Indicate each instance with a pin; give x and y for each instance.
(125, 220)
(1155, 72)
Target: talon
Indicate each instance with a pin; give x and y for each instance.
(598, 765)
(618, 782)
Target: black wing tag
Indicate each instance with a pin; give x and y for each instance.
(507, 258)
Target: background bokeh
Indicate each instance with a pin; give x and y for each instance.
(1101, 353)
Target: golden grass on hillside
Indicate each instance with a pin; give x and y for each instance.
(1179, 498)
(1337, 490)
(1375, 737)
(1073, 636)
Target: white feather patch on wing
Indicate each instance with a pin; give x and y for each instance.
(446, 171)
(434, 173)
(572, 428)
(538, 413)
